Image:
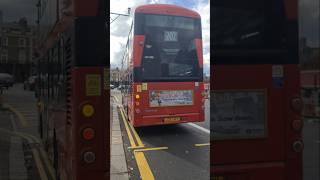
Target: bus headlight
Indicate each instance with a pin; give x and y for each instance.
(87, 110)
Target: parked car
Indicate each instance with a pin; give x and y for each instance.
(6, 80)
(30, 83)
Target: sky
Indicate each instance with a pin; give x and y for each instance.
(13, 10)
(119, 29)
(309, 21)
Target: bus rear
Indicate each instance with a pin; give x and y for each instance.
(166, 75)
(255, 103)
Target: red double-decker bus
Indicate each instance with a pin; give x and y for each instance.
(164, 67)
(255, 102)
(72, 88)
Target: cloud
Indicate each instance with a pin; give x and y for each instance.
(119, 29)
(13, 10)
(309, 21)
(203, 8)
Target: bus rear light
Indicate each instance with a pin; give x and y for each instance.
(297, 104)
(89, 157)
(297, 125)
(137, 96)
(88, 134)
(137, 110)
(137, 103)
(87, 110)
(297, 146)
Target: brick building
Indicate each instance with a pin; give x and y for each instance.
(16, 48)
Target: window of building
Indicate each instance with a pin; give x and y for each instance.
(4, 59)
(22, 56)
(22, 42)
(5, 41)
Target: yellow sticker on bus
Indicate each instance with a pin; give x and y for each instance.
(144, 86)
(93, 85)
(138, 88)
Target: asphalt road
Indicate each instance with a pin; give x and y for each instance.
(16, 157)
(186, 156)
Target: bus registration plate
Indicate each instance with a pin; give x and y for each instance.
(172, 119)
(218, 178)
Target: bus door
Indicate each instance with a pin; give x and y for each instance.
(255, 103)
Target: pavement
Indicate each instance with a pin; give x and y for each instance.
(119, 169)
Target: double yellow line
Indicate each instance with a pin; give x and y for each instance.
(138, 148)
(143, 166)
(32, 139)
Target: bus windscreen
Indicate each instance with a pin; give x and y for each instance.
(169, 50)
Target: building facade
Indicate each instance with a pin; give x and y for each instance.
(16, 49)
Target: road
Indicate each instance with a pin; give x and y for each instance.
(171, 151)
(20, 156)
(311, 158)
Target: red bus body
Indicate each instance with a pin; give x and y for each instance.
(137, 98)
(72, 88)
(272, 148)
(155, 116)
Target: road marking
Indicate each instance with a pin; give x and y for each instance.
(151, 149)
(44, 156)
(22, 119)
(143, 166)
(133, 144)
(30, 138)
(137, 147)
(140, 144)
(199, 127)
(204, 144)
(39, 165)
(115, 97)
(142, 163)
(136, 135)
(35, 154)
